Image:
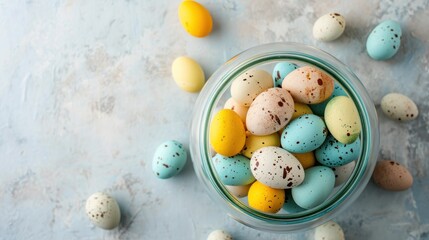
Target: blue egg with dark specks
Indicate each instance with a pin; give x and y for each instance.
(384, 41)
(333, 153)
(304, 134)
(290, 205)
(280, 71)
(319, 109)
(233, 171)
(169, 159)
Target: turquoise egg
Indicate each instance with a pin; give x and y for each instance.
(280, 71)
(319, 109)
(290, 205)
(384, 41)
(233, 171)
(304, 134)
(169, 159)
(333, 153)
(318, 184)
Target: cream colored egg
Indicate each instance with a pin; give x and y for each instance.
(342, 119)
(103, 211)
(237, 107)
(399, 107)
(329, 27)
(329, 231)
(342, 173)
(219, 235)
(246, 87)
(188, 74)
(239, 191)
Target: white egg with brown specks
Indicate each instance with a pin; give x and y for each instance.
(329, 231)
(329, 27)
(247, 86)
(399, 107)
(219, 235)
(342, 173)
(103, 210)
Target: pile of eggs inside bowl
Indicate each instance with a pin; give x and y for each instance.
(285, 137)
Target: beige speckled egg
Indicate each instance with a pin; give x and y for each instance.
(239, 191)
(237, 107)
(342, 119)
(270, 112)
(246, 87)
(103, 210)
(399, 107)
(342, 173)
(391, 175)
(219, 235)
(329, 27)
(329, 231)
(309, 85)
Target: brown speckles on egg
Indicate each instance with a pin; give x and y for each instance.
(391, 175)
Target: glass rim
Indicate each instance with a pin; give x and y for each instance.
(216, 86)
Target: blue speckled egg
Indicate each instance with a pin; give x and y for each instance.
(318, 184)
(319, 109)
(384, 41)
(304, 134)
(233, 171)
(280, 71)
(333, 153)
(169, 159)
(290, 205)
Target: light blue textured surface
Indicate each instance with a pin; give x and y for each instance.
(86, 96)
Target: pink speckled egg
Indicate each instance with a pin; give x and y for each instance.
(391, 175)
(309, 85)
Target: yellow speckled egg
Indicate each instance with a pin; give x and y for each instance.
(188, 74)
(342, 119)
(195, 18)
(265, 199)
(254, 143)
(306, 159)
(300, 109)
(227, 134)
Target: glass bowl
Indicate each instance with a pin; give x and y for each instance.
(217, 91)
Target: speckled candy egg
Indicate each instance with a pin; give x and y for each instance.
(384, 41)
(399, 107)
(239, 191)
(290, 205)
(333, 153)
(233, 170)
(103, 210)
(246, 87)
(391, 175)
(329, 231)
(329, 27)
(254, 143)
(319, 109)
(276, 168)
(280, 71)
(318, 184)
(309, 85)
(219, 235)
(265, 198)
(342, 119)
(169, 159)
(342, 173)
(304, 134)
(270, 112)
(237, 107)
(227, 134)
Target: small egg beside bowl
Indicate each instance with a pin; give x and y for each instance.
(103, 210)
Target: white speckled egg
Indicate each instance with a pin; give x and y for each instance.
(219, 235)
(329, 27)
(169, 159)
(329, 231)
(342, 173)
(399, 107)
(270, 112)
(276, 168)
(239, 191)
(342, 119)
(309, 85)
(246, 87)
(103, 210)
(237, 107)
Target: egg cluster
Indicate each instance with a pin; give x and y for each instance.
(271, 147)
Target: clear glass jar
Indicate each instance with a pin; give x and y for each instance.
(216, 92)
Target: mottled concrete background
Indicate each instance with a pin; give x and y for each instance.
(86, 95)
